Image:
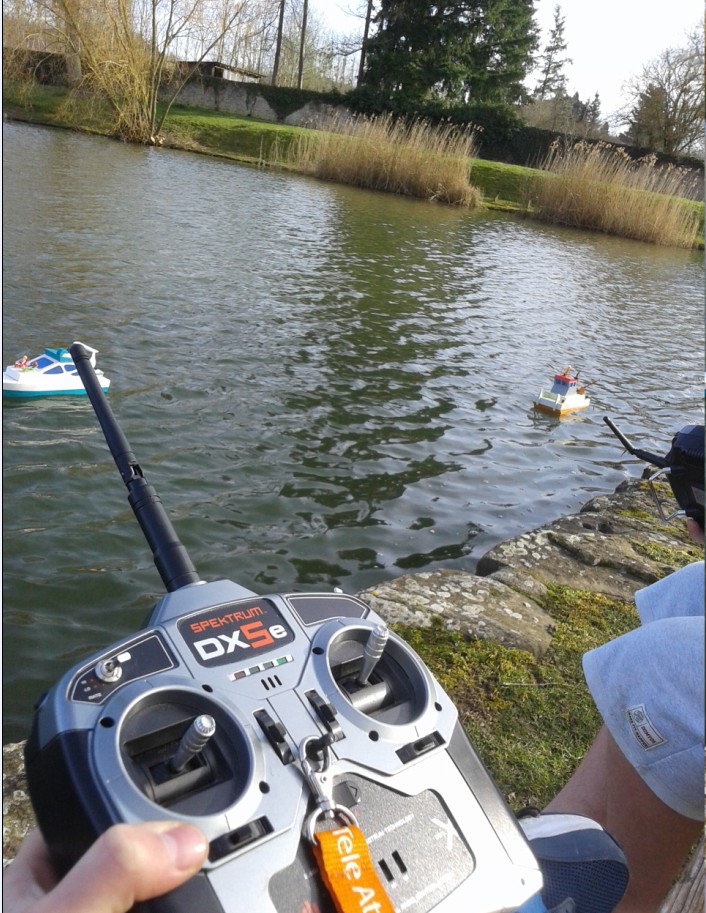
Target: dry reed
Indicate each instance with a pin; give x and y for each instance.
(379, 153)
(599, 187)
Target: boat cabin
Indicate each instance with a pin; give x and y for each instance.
(47, 362)
(564, 384)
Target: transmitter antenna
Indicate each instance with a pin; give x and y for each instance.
(170, 557)
(644, 455)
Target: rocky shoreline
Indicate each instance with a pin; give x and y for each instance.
(613, 546)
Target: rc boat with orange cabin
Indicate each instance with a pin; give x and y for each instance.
(565, 395)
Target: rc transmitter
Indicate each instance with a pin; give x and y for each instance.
(262, 719)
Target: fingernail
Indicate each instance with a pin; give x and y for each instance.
(186, 846)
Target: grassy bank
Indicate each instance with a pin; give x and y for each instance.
(267, 144)
(531, 720)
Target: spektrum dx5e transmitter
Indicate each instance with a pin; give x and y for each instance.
(266, 720)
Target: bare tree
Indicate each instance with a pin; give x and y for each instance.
(126, 46)
(32, 26)
(248, 43)
(28, 25)
(128, 52)
(278, 48)
(303, 50)
(364, 41)
(302, 42)
(666, 102)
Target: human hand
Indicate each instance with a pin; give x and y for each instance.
(127, 864)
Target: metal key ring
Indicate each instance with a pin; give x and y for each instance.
(337, 811)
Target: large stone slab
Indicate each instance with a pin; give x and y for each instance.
(615, 545)
(474, 606)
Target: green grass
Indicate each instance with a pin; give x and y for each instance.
(502, 186)
(531, 720)
(54, 106)
(34, 102)
(243, 139)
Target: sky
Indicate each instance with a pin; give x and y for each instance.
(609, 41)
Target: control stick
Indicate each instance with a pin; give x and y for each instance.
(374, 649)
(192, 742)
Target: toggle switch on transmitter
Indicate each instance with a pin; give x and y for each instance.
(111, 670)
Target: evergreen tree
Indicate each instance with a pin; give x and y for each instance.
(593, 115)
(464, 50)
(364, 41)
(552, 80)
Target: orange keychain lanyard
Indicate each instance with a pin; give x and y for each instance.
(342, 854)
(348, 872)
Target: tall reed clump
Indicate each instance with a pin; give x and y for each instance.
(596, 186)
(415, 159)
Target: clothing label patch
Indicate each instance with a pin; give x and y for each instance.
(643, 728)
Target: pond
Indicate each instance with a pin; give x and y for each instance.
(327, 387)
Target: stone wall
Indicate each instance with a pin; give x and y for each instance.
(246, 100)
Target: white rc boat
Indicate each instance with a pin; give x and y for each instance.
(52, 372)
(565, 395)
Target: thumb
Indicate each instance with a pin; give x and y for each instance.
(128, 863)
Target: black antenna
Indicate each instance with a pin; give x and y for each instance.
(640, 454)
(170, 556)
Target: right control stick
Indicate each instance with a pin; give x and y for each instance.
(374, 648)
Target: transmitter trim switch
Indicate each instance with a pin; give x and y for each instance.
(275, 733)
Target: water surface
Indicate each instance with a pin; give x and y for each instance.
(327, 387)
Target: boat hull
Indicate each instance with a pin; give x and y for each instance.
(32, 383)
(553, 405)
(552, 410)
(17, 391)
